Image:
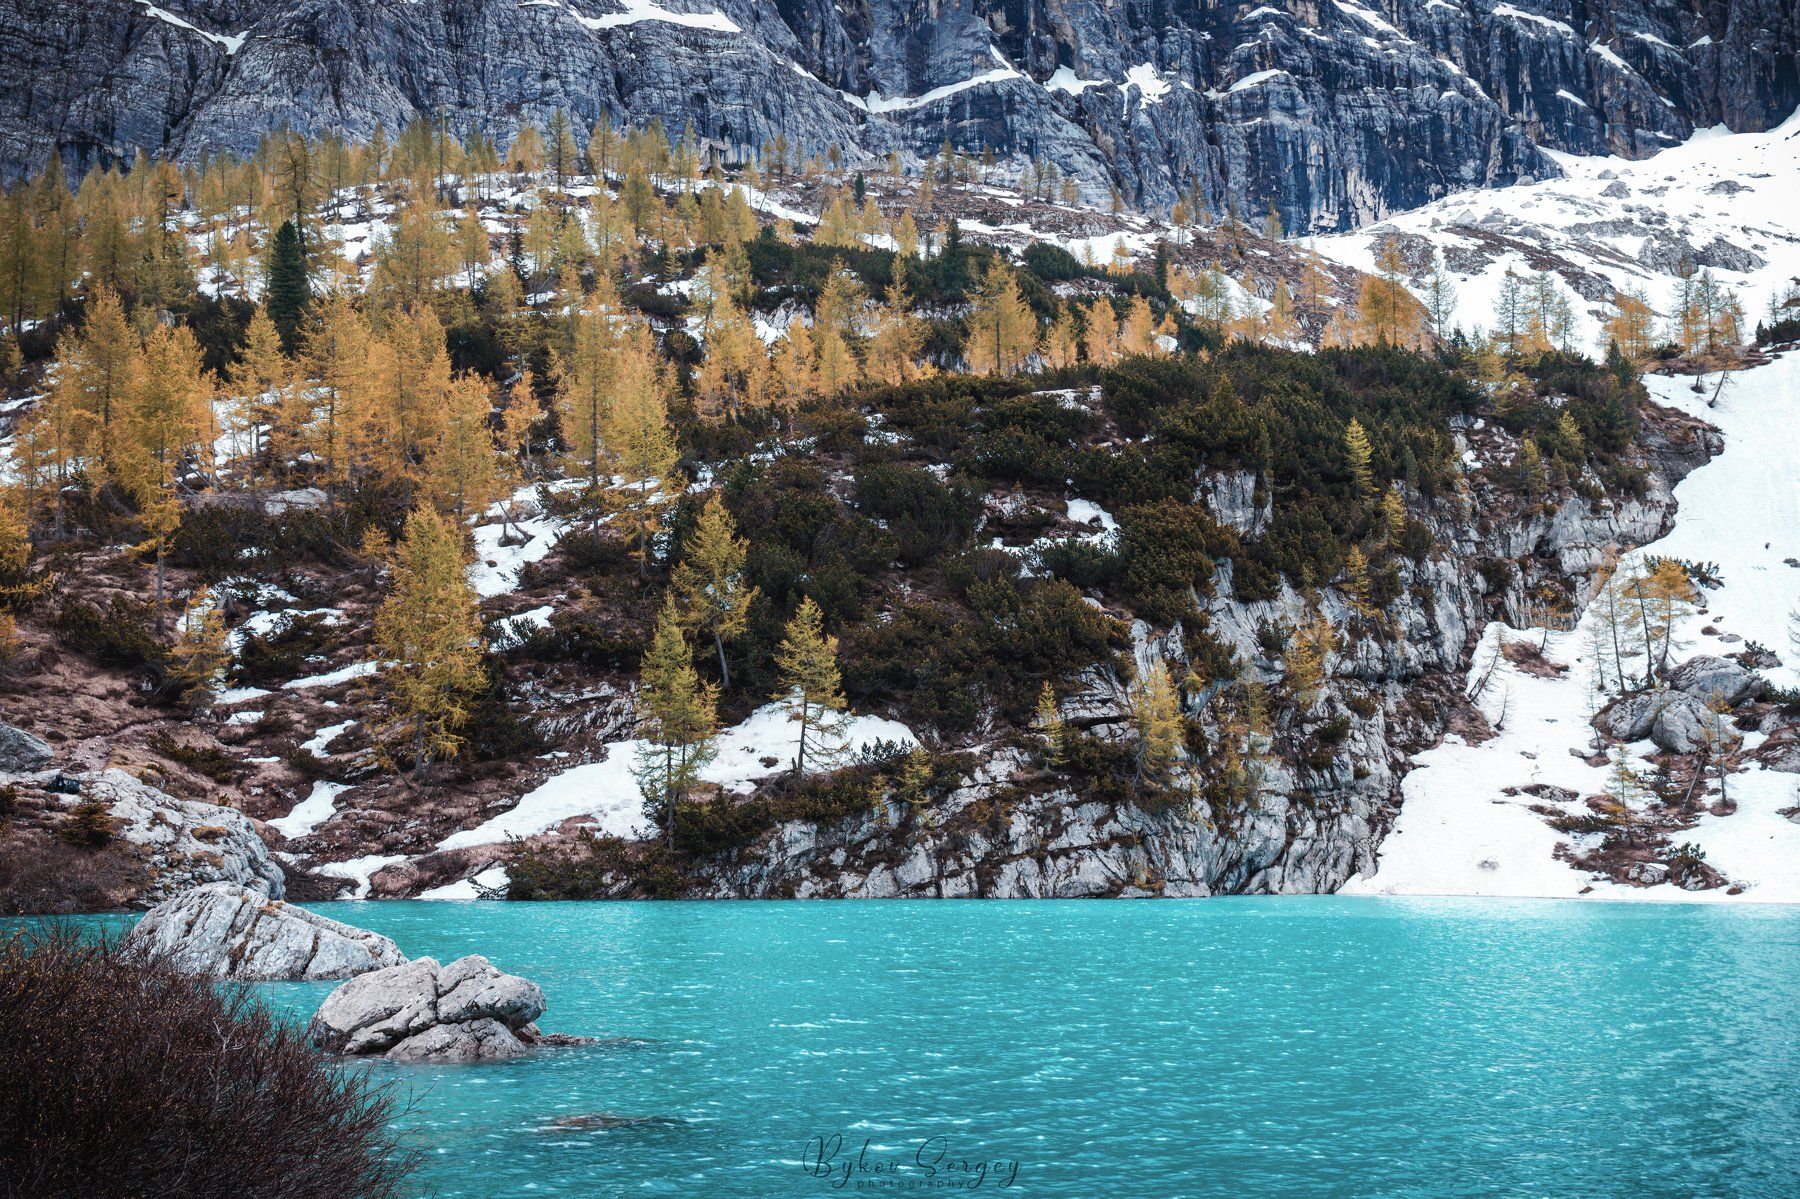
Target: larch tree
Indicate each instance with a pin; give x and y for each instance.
(104, 365)
(1100, 332)
(812, 690)
(1156, 719)
(259, 382)
(1304, 660)
(678, 720)
(428, 633)
(325, 418)
(585, 392)
(169, 405)
(642, 443)
(715, 598)
(1002, 330)
(1359, 455)
(462, 469)
(201, 652)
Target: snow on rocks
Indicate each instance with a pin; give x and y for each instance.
(467, 1011)
(311, 812)
(1722, 200)
(605, 794)
(224, 930)
(1460, 833)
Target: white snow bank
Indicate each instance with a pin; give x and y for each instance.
(607, 795)
(493, 878)
(643, 10)
(356, 670)
(310, 812)
(359, 870)
(1458, 835)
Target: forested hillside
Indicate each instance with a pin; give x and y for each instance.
(463, 515)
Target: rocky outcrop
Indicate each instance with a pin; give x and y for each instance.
(22, 752)
(183, 843)
(467, 1011)
(1329, 776)
(224, 930)
(1712, 679)
(1334, 114)
(1686, 716)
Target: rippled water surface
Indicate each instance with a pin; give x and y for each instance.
(1253, 1047)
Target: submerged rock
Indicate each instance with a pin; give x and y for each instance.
(224, 930)
(467, 1011)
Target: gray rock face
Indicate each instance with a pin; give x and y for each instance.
(1631, 717)
(22, 752)
(1685, 725)
(187, 843)
(1709, 679)
(224, 930)
(1337, 113)
(466, 1011)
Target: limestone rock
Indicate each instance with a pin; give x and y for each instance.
(225, 930)
(1339, 114)
(466, 1011)
(22, 752)
(1685, 725)
(1631, 717)
(1708, 678)
(186, 843)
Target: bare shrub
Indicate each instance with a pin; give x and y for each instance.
(129, 1078)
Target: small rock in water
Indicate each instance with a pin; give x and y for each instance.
(467, 1011)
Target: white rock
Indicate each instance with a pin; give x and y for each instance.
(224, 930)
(420, 1011)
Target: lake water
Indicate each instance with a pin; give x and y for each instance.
(1228, 1047)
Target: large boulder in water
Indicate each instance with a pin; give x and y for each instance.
(224, 930)
(467, 1011)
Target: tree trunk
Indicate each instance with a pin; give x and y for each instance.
(724, 668)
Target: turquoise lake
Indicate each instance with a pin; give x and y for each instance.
(1228, 1047)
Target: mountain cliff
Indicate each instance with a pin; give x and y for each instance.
(1333, 114)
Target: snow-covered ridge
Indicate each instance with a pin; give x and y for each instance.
(1725, 200)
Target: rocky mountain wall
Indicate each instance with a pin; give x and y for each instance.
(1331, 786)
(1334, 113)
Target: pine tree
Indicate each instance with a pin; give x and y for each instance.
(428, 631)
(287, 292)
(715, 598)
(811, 688)
(679, 719)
